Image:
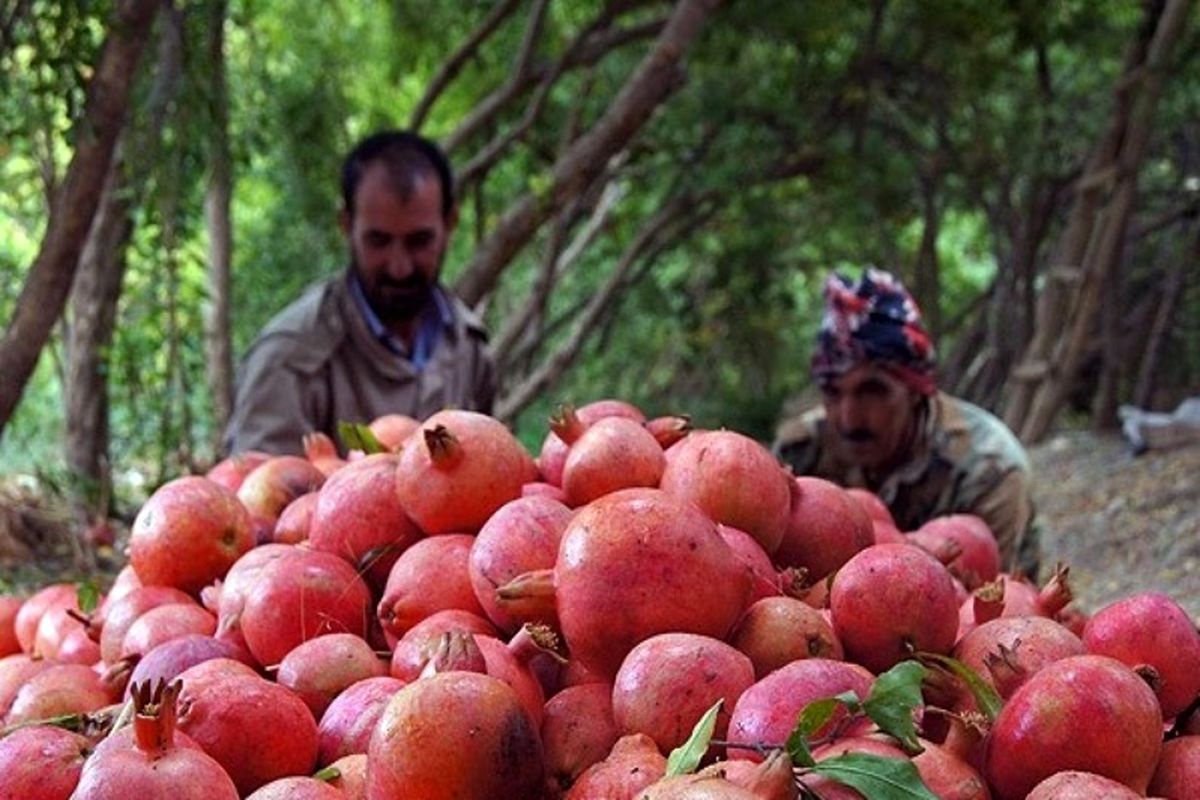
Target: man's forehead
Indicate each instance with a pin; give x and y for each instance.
(861, 375)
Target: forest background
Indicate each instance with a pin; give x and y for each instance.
(652, 193)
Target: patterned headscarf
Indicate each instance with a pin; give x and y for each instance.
(875, 320)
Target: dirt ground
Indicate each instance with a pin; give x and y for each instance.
(1122, 524)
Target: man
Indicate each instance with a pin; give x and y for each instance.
(883, 424)
(382, 337)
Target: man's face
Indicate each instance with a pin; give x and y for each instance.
(396, 244)
(872, 413)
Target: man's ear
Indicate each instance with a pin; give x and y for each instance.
(344, 220)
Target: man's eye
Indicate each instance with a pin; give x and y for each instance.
(420, 240)
(378, 240)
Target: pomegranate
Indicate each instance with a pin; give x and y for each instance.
(232, 471)
(520, 537)
(124, 612)
(639, 562)
(42, 762)
(543, 489)
(166, 661)
(978, 557)
(773, 779)
(15, 670)
(351, 776)
(1017, 598)
(57, 690)
(432, 575)
(1152, 634)
(358, 517)
(767, 710)
(670, 429)
(297, 788)
(696, 787)
(1178, 770)
(553, 454)
(633, 764)
(188, 534)
(947, 775)
(766, 581)
(1005, 652)
(320, 450)
(829, 789)
(275, 483)
(257, 730)
(77, 647)
(1088, 713)
(876, 509)
(293, 523)
(9, 606)
(25, 624)
(455, 735)
(779, 630)
(667, 683)
(577, 731)
(228, 597)
(417, 646)
(320, 669)
(825, 528)
(392, 429)
(610, 454)
(735, 481)
(348, 722)
(890, 601)
(1076, 785)
(162, 624)
(151, 760)
(458, 469)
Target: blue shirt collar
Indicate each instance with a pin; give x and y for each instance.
(436, 317)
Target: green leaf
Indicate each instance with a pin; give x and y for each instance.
(87, 596)
(327, 774)
(876, 777)
(356, 436)
(894, 697)
(986, 697)
(812, 718)
(685, 758)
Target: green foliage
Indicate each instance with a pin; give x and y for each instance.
(686, 758)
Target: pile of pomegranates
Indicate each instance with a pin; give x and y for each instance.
(642, 610)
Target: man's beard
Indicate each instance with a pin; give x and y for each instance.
(395, 301)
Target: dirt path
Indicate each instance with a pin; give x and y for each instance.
(1122, 524)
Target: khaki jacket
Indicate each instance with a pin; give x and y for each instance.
(965, 461)
(317, 363)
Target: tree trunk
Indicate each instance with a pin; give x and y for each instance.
(217, 338)
(655, 79)
(1094, 237)
(928, 284)
(1172, 290)
(49, 282)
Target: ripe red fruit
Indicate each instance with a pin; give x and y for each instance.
(610, 454)
(15, 670)
(348, 722)
(430, 576)
(1152, 634)
(735, 481)
(9, 606)
(392, 429)
(297, 788)
(890, 601)
(322, 668)
(457, 469)
(188, 534)
(767, 581)
(418, 645)
(577, 731)
(779, 630)
(1076, 785)
(455, 735)
(231, 471)
(1088, 713)
(166, 661)
(1178, 770)
(667, 683)
(978, 555)
(25, 624)
(59, 689)
(272, 486)
(1007, 651)
(42, 762)
(825, 528)
(553, 455)
(876, 509)
(292, 525)
(633, 764)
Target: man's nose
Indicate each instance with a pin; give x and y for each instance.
(849, 414)
(399, 262)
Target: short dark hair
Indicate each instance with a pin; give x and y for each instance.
(407, 156)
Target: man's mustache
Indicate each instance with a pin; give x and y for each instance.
(858, 436)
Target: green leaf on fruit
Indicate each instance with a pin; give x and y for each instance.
(876, 777)
(356, 436)
(686, 758)
(87, 596)
(986, 698)
(812, 718)
(894, 698)
(327, 774)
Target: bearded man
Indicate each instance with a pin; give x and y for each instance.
(382, 337)
(884, 426)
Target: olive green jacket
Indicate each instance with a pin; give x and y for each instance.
(317, 363)
(964, 461)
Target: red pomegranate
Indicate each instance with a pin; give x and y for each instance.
(1089, 713)
(876, 509)
(297, 788)
(57, 690)
(978, 555)
(272, 486)
(639, 562)
(162, 624)
(348, 722)
(735, 481)
(670, 429)
(15, 670)
(890, 601)
(577, 731)
(322, 668)
(358, 517)
(455, 735)
(294, 520)
(1076, 785)
(432, 575)
(1006, 651)
(188, 534)
(166, 661)
(351, 776)
(520, 537)
(457, 469)
(413, 651)
(9, 606)
(392, 429)
(42, 762)
(231, 471)
(151, 760)
(772, 779)
(633, 764)
(767, 582)
(610, 454)
(553, 454)
(825, 528)
(779, 630)
(25, 624)
(125, 611)
(298, 598)
(1178, 770)
(1152, 634)
(667, 683)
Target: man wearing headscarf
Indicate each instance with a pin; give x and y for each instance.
(884, 426)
